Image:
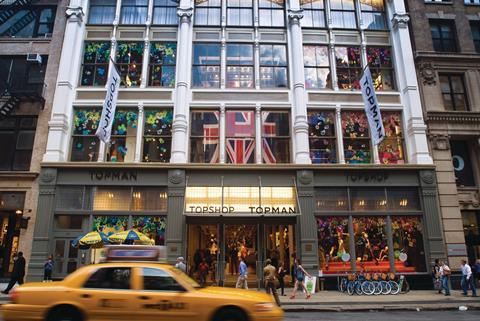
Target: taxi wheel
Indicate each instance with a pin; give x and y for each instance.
(64, 313)
(230, 314)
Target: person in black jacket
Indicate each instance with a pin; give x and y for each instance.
(18, 272)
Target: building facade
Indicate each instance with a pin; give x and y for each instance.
(31, 34)
(447, 52)
(240, 131)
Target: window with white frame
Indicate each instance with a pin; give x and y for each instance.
(240, 136)
(205, 136)
(313, 13)
(381, 66)
(208, 12)
(240, 13)
(343, 14)
(349, 67)
(322, 136)
(102, 11)
(206, 65)
(124, 135)
(157, 134)
(162, 64)
(134, 12)
(317, 67)
(129, 59)
(273, 66)
(240, 66)
(271, 13)
(165, 12)
(356, 137)
(275, 137)
(373, 14)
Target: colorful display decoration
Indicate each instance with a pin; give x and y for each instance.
(157, 132)
(321, 130)
(370, 239)
(333, 243)
(85, 144)
(408, 239)
(162, 64)
(391, 150)
(109, 225)
(96, 57)
(152, 226)
(380, 60)
(129, 60)
(356, 137)
(349, 67)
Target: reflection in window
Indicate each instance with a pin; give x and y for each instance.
(349, 67)
(240, 137)
(333, 243)
(462, 163)
(275, 137)
(401, 199)
(392, 149)
(208, 12)
(239, 12)
(102, 11)
(85, 144)
(165, 12)
(129, 62)
(112, 199)
(373, 14)
(152, 226)
(313, 13)
(343, 14)
(17, 135)
(134, 12)
(356, 137)
(321, 132)
(124, 135)
(162, 64)
(371, 243)
(408, 247)
(204, 137)
(317, 67)
(206, 65)
(443, 35)
(271, 13)
(273, 66)
(380, 60)
(29, 22)
(157, 135)
(240, 66)
(368, 199)
(96, 56)
(453, 92)
(331, 199)
(109, 225)
(159, 280)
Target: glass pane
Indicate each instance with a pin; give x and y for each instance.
(321, 123)
(354, 124)
(68, 222)
(204, 150)
(158, 122)
(240, 77)
(69, 198)
(59, 249)
(156, 149)
(275, 124)
(206, 54)
(371, 243)
(241, 198)
(323, 150)
(240, 124)
(240, 150)
(403, 199)
(111, 199)
(408, 246)
(110, 224)
(205, 123)
(392, 150)
(331, 199)
(152, 226)
(151, 199)
(333, 243)
(276, 150)
(206, 77)
(125, 123)
(84, 148)
(368, 199)
(101, 14)
(462, 164)
(85, 121)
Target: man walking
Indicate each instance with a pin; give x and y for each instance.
(467, 279)
(269, 274)
(445, 275)
(242, 276)
(18, 272)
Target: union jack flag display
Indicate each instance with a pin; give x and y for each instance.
(206, 125)
(240, 142)
(274, 126)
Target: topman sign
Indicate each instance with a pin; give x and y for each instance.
(233, 210)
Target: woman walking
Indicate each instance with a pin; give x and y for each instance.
(281, 280)
(300, 278)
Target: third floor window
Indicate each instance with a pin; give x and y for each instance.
(165, 12)
(208, 12)
(134, 12)
(475, 26)
(239, 12)
(271, 13)
(443, 35)
(453, 92)
(102, 11)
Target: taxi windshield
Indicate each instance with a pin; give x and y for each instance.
(186, 278)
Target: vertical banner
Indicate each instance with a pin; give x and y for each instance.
(371, 107)
(109, 105)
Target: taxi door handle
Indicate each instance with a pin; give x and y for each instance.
(144, 297)
(86, 296)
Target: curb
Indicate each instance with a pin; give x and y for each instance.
(371, 308)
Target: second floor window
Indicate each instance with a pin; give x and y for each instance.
(321, 132)
(317, 67)
(343, 14)
(134, 12)
(129, 60)
(96, 56)
(206, 65)
(240, 137)
(157, 135)
(373, 14)
(380, 60)
(165, 12)
(84, 143)
(443, 35)
(240, 66)
(392, 149)
(356, 137)
(17, 135)
(208, 12)
(162, 64)
(475, 26)
(453, 92)
(240, 13)
(102, 11)
(204, 137)
(271, 13)
(275, 137)
(273, 66)
(349, 67)
(124, 136)
(313, 14)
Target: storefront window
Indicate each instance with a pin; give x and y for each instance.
(157, 137)
(85, 143)
(110, 224)
(371, 246)
(162, 64)
(275, 137)
(333, 244)
(321, 132)
(331, 199)
(317, 67)
(471, 229)
(129, 62)
(368, 199)
(240, 66)
(273, 66)
(96, 56)
(408, 244)
(356, 137)
(124, 136)
(380, 60)
(392, 149)
(204, 137)
(206, 65)
(313, 13)
(152, 226)
(68, 222)
(200, 196)
(349, 67)
(112, 199)
(149, 199)
(241, 198)
(240, 137)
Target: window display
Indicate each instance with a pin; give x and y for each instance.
(408, 246)
(96, 56)
(152, 226)
(349, 67)
(124, 135)
(391, 150)
(371, 246)
(85, 144)
(204, 137)
(275, 137)
(129, 60)
(356, 137)
(380, 60)
(240, 137)
(321, 132)
(162, 64)
(333, 244)
(110, 224)
(157, 137)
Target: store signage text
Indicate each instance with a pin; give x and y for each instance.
(373, 178)
(113, 175)
(252, 209)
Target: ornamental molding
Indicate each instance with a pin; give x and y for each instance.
(295, 15)
(440, 142)
(75, 13)
(176, 176)
(468, 199)
(456, 117)
(305, 177)
(400, 20)
(48, 175)
(428, 177)
(427, 73)
(185, 14)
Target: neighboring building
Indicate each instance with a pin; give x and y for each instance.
(447, 56)
(31, 34)
(240, 130)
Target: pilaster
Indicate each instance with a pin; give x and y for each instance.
(175, 217)
(223, 130)
(258, 134)
(140, 123)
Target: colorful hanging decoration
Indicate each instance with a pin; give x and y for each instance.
(162, 64)
(96, 57)
(109, 225)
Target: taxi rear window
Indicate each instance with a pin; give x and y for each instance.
(109, 278)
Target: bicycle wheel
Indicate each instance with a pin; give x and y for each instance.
(395, 287)
(368, 288)
(358, 288)
(378, 288)
(343, 285)
(350, 288)
(386, 288)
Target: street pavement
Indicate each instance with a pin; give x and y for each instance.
(382, 316)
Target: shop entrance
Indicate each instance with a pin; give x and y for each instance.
(214, 248)
(9, 237)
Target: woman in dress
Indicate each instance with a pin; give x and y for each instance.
(300, 279)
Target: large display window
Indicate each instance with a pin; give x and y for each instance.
(333, 244)
(371, 249)
(408, 240)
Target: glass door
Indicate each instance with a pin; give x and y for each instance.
(280, 246)
(240, 242)
(203, 253)
(66, 257)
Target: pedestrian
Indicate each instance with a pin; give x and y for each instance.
(467, 279)
(477, 270)
(437, 282)
(181, 265)
(48, 269)
(269, 272)
(281, 275)
(242, 275)
(18, 272)
(445, 272)
(203, 271)
(300, 279)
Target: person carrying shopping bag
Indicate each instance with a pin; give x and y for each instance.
(300, 279)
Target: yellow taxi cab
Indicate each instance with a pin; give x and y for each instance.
(135, 290)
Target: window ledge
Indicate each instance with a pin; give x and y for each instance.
(23, 40)
(453, 116)
(18, 175)
(450, 55)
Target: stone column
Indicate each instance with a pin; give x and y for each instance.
(43, 224)
(175, 218)
(300, 124)
(138, 144)
(308, 250)
(67, 78)
(146, 56)
(180, 124)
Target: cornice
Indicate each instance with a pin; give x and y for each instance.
(18, 176)
(453, 116)
(447, 56)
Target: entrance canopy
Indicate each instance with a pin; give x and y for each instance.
(241, 201)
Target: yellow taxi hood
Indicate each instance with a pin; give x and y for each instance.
(237, 293)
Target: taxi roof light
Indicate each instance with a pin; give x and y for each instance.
(137, 253)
